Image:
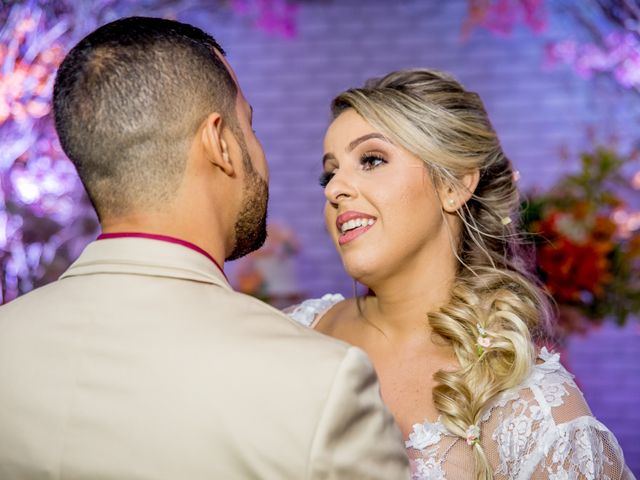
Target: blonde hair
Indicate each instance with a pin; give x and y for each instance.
(494, 294)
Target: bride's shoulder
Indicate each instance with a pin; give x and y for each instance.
(309, 311)
(328, 308)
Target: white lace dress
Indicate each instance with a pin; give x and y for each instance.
(542, 429)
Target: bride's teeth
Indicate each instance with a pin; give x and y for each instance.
(356, 223)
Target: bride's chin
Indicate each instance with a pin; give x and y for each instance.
(361, 271)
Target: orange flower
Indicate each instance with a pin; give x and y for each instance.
(603, 229)
(633, 249)
(602, 234)
(581, 210)
(572, 269)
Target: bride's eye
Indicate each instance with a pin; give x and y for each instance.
(325, 178)
(369, 161)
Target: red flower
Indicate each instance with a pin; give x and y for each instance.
(573, 268)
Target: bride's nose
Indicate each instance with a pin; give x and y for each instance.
(339, 188)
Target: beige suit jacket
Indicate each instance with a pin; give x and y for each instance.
(142, 363)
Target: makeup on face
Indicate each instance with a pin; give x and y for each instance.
(382, 209)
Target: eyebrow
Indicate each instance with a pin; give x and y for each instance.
(366, 137)
(355, 143)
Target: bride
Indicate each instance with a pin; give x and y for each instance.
(421, 204)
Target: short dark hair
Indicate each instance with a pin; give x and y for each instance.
(128, 99)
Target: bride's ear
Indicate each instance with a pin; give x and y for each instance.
(454, 197)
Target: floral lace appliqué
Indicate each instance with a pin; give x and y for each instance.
(424, 435)
(579, 451)
(307, 311)
(526, 436)
(427, 469)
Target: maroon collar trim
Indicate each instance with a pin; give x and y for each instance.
(163, 238)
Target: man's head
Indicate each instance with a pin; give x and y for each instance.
(130, 99)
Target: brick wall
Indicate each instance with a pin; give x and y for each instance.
(536, 113)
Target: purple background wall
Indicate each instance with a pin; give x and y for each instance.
(537, 113)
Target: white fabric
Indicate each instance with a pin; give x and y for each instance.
(306, 312)
(542, 429)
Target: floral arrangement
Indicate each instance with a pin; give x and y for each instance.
(587, 241)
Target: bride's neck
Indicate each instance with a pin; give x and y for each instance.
(400, 305)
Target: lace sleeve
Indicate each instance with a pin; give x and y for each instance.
(548, 432)
(310, 310)
(582, 449)
(575, 445)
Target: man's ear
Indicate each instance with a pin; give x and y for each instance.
(215, 146)
(453, 198)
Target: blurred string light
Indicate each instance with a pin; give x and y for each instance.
(45, 217)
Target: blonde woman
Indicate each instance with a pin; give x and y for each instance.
(421, 204)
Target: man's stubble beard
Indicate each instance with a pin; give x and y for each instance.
(250, 229)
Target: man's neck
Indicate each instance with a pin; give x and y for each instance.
(161, 225)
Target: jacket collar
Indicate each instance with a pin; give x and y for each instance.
(144, 256)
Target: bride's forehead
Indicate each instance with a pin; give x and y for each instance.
(346, 127)
(350, 118)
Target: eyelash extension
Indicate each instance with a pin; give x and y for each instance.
(367, 160)
(325, 178)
